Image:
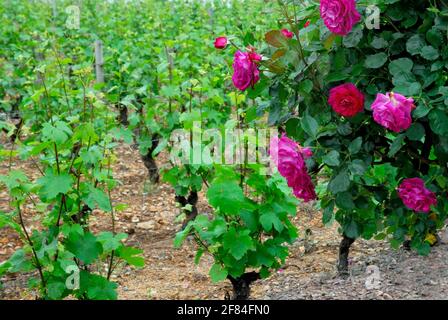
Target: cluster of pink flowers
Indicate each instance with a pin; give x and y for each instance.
(339, 15)
(416, 196)
(289, 158)
(391, 110)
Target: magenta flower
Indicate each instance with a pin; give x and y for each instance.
(393, 111)
(339, 15)
(221, 43)
(289, 159)
(287, 33)
(246, 73)
(415, 196)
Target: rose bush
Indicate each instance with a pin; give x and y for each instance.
(372, 106)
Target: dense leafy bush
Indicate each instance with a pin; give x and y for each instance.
(371, 149)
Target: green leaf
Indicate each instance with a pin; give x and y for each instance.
(416, 132)
(353, 38)
(56, 289)
(379, 43)
(429, 53)
(306, 86)
(85, 247)
(438, 121)
(310, 125)
(85, 133)
(269, 219)
(332, 158)
(357, 167)
(355, 146)
(97, 197)
(226, 196)
(415, 44)
(402, 65)
(91, 156)
(52, 185)
(344, 200)
(396, 145)
(328, 213)
(98, 287)
(182, 235)
(109, 241)
(351, 230)
(434, 37)
(131, 256)
(421, 111)
(339, 183)
(59, 132)
(14, 179)
(218, 273)
(385, 174)
(18, 262)
(198, 255)
(407, 88)
(237, 243)
(376, 60)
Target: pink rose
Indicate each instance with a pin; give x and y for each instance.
(287, 33)
(289, 159)
(339, 15)
(246, 73)
(393, 111)
(346, 100)
(220, 43)
(415, 196)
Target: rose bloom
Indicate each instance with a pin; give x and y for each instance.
(220, 43)
(339, 15)
(245, 69)
(415, 196)
(393, 111)
(289, 159)
(287, 33)
(346, 100)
